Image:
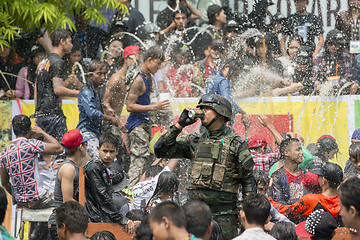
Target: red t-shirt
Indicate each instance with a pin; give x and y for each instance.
(296, 185)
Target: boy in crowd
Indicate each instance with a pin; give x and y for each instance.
(98, 185)
(254, 216)
(90, 105)
(138, 123)
(349, 193)
(257, 145)
(18, 163)
(71, 221)
(67, 177)
(330, 177)
(198, 219)
(50, 86)
(287, 185)
(168, 221)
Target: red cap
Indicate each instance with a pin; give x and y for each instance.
(256, 141)
(131, 50)
(326, 136)
(72, 139)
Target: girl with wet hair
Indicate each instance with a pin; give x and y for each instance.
(25, 89)
(166, 188)
(326, 150)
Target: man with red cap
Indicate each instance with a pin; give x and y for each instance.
(67, 177)
(257, 145)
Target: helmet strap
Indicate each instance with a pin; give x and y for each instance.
(212, 121)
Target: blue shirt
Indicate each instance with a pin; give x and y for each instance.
(218, 84)
(90, 110)
(137, 118)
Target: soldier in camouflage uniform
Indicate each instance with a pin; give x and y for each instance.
(221, 160)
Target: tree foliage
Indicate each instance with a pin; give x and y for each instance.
(23, 16)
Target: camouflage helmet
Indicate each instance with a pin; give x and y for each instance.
(218, 103)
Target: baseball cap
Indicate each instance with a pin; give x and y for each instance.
(256, 141)
(356, 134)
(72, 139)
(326, 136)
(319, 223)
(131, 50)
(304, 55)
(332, 172)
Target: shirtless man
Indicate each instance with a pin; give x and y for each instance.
(115, 93)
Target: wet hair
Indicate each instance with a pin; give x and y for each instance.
(234, 65)
(261, 177)
(73, 215)
(103, 235)
(182, 10)
(212, 13)
(257, 208)
(167, 183)
(350, 193)
(284, 231)
(21, 125)
(354, 151)
(297, 38)
(58, 35)
(171, 2)
(325, 145)
(95, 65)
(3, 204)
(153, 170)
(170, 210)
(198, 218)
(108, 137)
(154, 52)
(143, 231)
(216, 233)
(284, 145)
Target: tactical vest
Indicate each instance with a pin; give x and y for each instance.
(212, 168)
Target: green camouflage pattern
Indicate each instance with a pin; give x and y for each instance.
(140, 156)
(212, 168)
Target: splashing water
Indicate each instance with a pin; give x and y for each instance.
(258, 77)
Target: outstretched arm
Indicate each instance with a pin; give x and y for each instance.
(265, 121)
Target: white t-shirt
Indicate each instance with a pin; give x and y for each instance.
(145, 190)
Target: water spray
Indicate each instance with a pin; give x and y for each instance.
(78, 65)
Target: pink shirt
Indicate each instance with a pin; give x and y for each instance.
(22, 87)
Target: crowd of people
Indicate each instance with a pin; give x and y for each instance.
(212, 184)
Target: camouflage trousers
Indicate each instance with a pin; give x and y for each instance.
(140, 156)
(228, 224)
